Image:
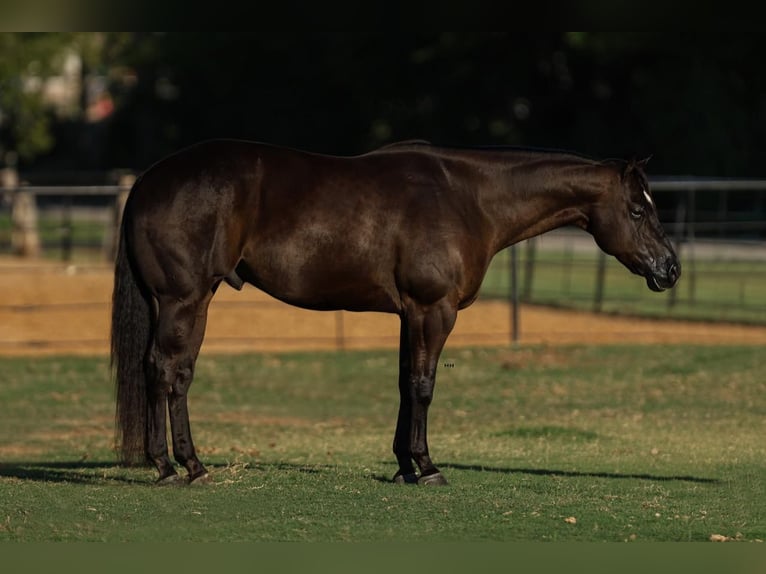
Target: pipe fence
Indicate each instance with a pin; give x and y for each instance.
(717, 225)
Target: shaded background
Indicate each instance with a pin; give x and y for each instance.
(99, 101)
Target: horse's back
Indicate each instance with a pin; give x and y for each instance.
(317, 231)
(330, 231)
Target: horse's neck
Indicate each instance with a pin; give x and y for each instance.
(529, 199)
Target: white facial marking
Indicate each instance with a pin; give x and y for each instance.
(648, 197)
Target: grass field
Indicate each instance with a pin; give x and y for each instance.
(86, 237)
(649, 443)
(709, 289)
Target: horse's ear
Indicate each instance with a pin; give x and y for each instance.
(628, 168)
(634, 164)
(642, 162)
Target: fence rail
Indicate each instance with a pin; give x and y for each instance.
(27, 234)
(718, 226)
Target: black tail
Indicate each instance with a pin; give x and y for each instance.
(131, 332)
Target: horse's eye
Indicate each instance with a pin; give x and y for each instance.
(636, 212)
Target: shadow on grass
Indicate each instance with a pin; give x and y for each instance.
(99, 472)
(66, 471)
(566, 473)
(572, 473)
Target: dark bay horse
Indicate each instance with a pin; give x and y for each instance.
(408, 229)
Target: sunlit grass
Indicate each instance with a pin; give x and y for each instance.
(538, 443)
(715, 290)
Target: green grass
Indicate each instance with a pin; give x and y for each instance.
(87, 238)
(646, 443)
(714, 290)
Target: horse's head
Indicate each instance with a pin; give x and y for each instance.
(624, 224)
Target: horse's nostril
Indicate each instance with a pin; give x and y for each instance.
(673, 272)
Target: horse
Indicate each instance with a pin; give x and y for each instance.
(408, 229)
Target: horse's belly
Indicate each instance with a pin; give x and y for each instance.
(325, 295)
(327, 283)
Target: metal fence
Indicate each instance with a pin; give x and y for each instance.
(718, 226)
(719, 229)
(56, 221)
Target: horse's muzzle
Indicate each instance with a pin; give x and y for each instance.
(665, 278)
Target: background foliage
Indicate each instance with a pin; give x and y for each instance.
(690, 100)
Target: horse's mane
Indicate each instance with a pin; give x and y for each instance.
(626, 166)
(492, 147)
(405, 143)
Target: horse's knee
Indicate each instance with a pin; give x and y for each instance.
(423, 388)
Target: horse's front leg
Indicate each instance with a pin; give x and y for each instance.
(402, 448)
(428, 329)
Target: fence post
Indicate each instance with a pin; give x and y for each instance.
(25, 237)
(566, 280)
(529, 270)
(677, 240)
(340, 335)
(9, 182)
(690, 237)
(514, 295)
(9, 178)
(598, 299)
(66, 229)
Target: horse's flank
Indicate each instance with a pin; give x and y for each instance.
(374, 218)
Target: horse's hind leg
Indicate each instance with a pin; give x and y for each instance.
(183, 447)
(180, 330)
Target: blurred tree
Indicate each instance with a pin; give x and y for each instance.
(691, 101)
(25, 121)
(43, 96)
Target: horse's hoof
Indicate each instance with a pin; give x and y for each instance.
(405, 478)
(436, 479)
(200, 480)
(170, 480)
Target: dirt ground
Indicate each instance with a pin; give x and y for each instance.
(50, 308)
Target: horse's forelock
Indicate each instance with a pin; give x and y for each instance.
(634, 169)
(640, 173)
